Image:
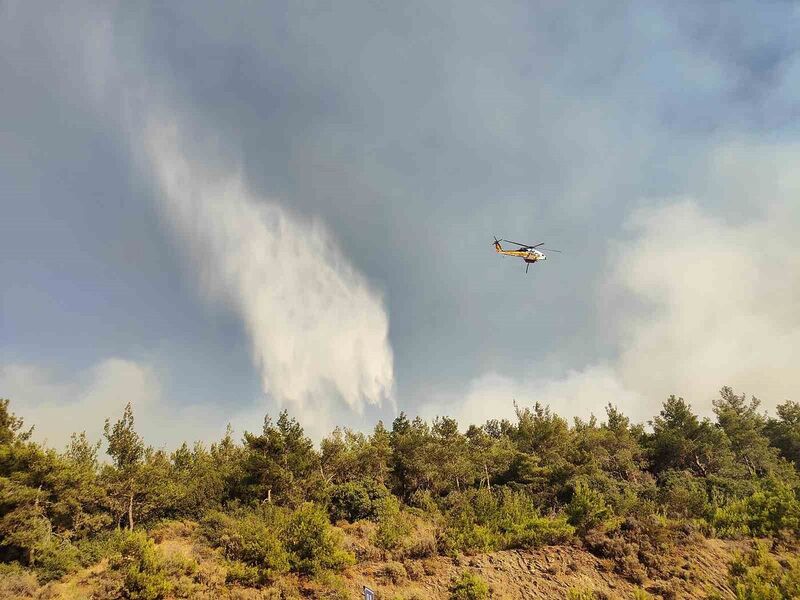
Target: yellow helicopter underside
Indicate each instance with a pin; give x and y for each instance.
(528, 256)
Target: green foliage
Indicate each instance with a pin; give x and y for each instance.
(260, 544)
(581, 594)
(125, 446)
(280, 465)
(756, 575)
(16, 582)
(587, 509)
(772, 508)
(313, 545)
(485, 521)
(250, 542)
(145, 574)
(468, 586)
(267, 502)
(784, 432)
(680, 441)
(393, 525)
(55, 558)
(683, 495)
(584, 594)
(744, 427)
(355, 500)
(11, 425)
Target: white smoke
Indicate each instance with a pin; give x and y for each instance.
(318, 332)
(701, 302)
(720, 297)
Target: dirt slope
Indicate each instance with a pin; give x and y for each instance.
(549, 573)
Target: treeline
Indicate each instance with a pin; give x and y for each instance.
(271, 500)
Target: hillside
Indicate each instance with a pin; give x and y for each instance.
(534, 508)
(696, 570)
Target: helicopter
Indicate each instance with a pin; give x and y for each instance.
(527, 252)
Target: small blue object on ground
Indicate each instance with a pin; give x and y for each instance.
(368, 594)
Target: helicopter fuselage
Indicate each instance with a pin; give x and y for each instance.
(527, 254)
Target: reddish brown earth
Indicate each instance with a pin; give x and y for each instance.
(694, 569)
(550, 573)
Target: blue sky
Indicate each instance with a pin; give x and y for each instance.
(217, 211)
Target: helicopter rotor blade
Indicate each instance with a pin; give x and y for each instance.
(551, 250)
(522, 245)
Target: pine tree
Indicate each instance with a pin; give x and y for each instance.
(126, 449)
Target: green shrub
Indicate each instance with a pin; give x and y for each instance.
(142, 565)
(756, 575)
(393, 526)
(93, 550)
(356, 500)
(584, 594)
(484, 521)
(587, 508)
(767, 511)
(250, 541)
(313, 545)
(394, 572)
(536, 532)
(683, 495)
(260, 544)
(55, 558)
(581, 594)
(244, 574)
(468, 586)
(17, 582)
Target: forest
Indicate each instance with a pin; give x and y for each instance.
(276, 516)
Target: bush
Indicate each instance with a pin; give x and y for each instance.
(356, 500)
(393, 526)
(581, 594)
(587, 508)
(145, 576)
(250, 542)
(244, 574)
(56, 558)
(260, 544)
(682, 495)
(394, 572)
(313, 545)
(767, 511)
(468, 586)
(482, 521)
(93, 550)
(16, 582)
(637, 547)
(756, 575)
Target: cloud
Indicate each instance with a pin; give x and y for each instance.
(694, 301)
(318, 331)
(58, 406)
(577, 394)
